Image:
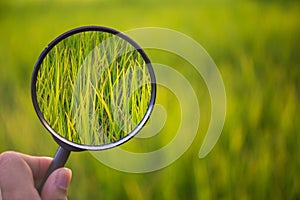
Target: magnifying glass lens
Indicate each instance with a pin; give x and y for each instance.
(93, 88)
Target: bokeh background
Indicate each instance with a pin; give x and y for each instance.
(256, 46)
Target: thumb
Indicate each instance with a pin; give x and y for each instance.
(57, 184)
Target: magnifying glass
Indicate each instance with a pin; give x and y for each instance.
(93, 88)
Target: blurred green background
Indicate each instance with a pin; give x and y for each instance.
(255, 44)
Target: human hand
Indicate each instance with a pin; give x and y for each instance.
(21, 174)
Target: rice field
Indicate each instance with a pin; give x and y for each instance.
(255, 45)
(93, 88)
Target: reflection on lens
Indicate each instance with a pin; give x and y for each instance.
(93, 88)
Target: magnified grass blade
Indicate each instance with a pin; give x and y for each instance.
(93, 88)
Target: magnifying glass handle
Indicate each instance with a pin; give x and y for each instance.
(59, 160)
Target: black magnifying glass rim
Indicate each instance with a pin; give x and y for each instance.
(63, 141)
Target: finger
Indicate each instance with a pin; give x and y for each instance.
(57, 184)
(38, 166)
(16, 179)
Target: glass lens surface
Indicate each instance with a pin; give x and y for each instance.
(93, 88)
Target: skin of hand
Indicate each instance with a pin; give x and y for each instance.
(21, 174)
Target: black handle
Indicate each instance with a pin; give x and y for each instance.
(59, 160)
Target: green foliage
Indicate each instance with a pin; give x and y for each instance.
(256, 47)
(93, 88)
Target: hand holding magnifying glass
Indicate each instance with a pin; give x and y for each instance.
(93, 88)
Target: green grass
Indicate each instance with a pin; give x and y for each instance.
(93, 88)
(256, 47)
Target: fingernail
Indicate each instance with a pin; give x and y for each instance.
(63, 178)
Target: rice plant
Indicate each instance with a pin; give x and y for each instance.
(93, 88)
